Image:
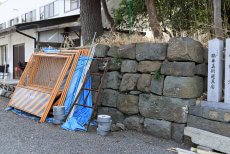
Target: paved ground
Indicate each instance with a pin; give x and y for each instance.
(22, 135)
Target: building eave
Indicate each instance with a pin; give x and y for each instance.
(39, 24)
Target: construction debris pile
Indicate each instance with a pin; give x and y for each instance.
(58, 79)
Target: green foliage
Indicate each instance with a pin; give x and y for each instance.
(157, 74)
(178, 15)
(136, 7)
(118, 59)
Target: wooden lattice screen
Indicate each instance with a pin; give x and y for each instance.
(40, 83)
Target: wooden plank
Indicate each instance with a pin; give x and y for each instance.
(51, 55)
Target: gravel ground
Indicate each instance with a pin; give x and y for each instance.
(23, 135)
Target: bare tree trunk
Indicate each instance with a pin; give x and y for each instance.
(218, 19)
(107, 14)
(154, 23)
(91, 21)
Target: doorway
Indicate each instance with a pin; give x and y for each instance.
(18, 58)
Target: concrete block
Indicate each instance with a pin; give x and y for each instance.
(208, 139)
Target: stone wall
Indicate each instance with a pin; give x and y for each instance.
(150, 87)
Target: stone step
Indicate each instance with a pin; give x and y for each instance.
(208, 139)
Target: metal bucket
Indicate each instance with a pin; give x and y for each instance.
(59, 110)
(103, 118)
(104, 124)
(59, 114)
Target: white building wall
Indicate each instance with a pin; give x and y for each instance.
(15, 39)
(15, 8)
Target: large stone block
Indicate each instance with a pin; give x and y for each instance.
(134, 123)
(185, 49)
(151, 51)
(208, 139)
(109, 98)
(202, 69)
(116, 115)
(128, 51)
(158, 128)
(178, 132)
(95, 82)
(178, 68)
(183, 87)
(114, 65)
(129, 82)
(113, 52)
(144, 82)
(216, 127)
(159, 107)
(129, 66)
(212, 113)
(112, 80)
(157, 85)
(148, 66)
(128, 104)
(101, 50)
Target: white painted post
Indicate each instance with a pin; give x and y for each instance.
(215, 70)
(227, 72)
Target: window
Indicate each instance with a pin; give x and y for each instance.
(23, 18)
(49, 10)
(2, 25)
(71, 5)
(29, 17)
(13, 22)
(3, 55)
(42, 13)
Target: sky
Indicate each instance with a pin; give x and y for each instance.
(13, 8)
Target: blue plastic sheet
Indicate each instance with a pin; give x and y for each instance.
(81, 114)
(50, 50)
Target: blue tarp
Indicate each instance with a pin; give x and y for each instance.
(81, 115)
(50, 50)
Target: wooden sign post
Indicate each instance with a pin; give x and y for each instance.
(227, 72)
(215, 70)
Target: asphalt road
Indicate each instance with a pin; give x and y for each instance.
(23, 135)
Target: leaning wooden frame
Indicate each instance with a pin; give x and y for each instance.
(83, 52)
(40, 83)
(45, 82)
